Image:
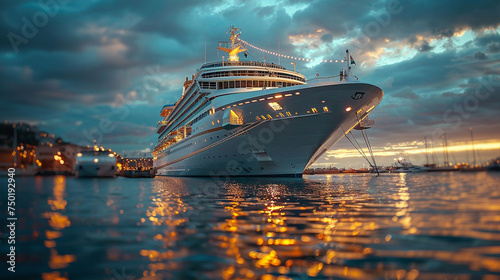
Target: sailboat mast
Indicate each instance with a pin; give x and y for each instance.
(426, 154)
(446, 150)
(446, 160)
(434, 156)
(205, 44)
(473, 151)
(279, 56)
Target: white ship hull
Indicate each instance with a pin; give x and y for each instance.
(91, 169)
(95, 164)
(282, 146)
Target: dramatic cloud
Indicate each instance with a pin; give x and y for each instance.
(68, 65)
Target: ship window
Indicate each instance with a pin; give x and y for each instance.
(269, 116)
(289, 94)
(288, 114)
(255, 100)
(213, 123)
(325, 109)
(225, 85)
(275, 105)
(281, 115)
(261, 83)
(243, 83)
(237, 84)
(218, 121)
(308, 112)
(314, 110)
(231, 84)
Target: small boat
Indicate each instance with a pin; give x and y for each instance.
(443, 168)
(138, 173)
(96, 163)
(31, 170)
(404, 166)
(472, 168)
(350, 170)
(494, 166)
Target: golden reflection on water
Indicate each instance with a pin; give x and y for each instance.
(57, 222)
(355, 228)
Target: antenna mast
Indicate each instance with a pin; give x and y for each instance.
(205, 44)
(473, 151)
(426, 155)
(234, 50)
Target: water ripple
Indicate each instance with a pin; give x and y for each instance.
(396, 226)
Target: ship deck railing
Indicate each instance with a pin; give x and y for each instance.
(322, 79)
(328, 79)
(242, 63)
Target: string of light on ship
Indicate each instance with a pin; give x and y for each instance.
(288, 56)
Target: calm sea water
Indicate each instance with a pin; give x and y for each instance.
(396, 226)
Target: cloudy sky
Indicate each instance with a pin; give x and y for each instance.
(103, 69)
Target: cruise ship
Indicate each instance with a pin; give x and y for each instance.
(249, 118)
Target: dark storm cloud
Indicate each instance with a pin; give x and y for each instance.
(408, 18)
(480, 56)
(91, 59)
(425, 47)
(406, 93)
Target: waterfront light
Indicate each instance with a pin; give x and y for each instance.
(111, 155)
(348, 109)
(96, 160)
(79, 155)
